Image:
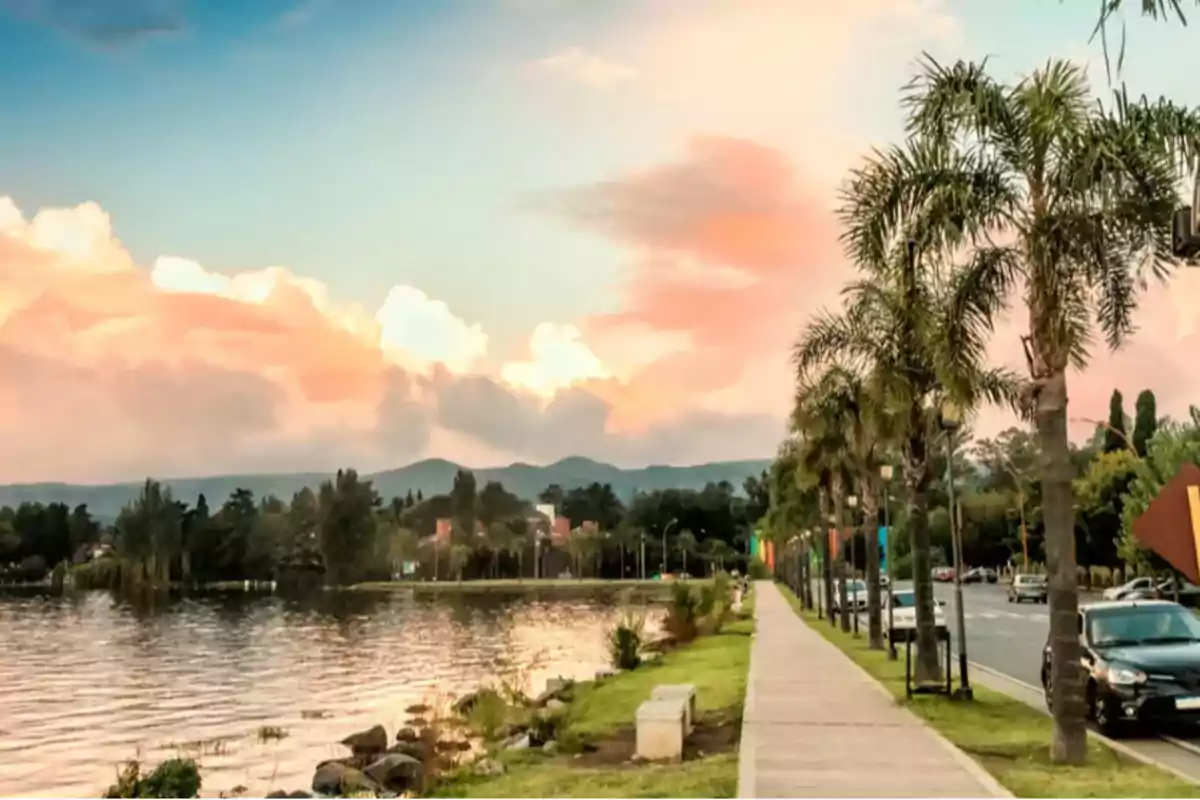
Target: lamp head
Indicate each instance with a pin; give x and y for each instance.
(852, 501)
(951, 415)
(885, 472)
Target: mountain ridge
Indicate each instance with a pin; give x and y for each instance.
(429, 476)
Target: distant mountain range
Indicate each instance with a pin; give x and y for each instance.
(432, 476)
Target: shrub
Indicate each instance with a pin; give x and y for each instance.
(488, 715)
(100, 573)
(625, 645)
(680, 621)
(178, 777)
(758, 571)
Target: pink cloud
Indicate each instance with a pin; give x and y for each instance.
(730, 248)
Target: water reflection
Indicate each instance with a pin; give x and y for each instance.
(90, 680)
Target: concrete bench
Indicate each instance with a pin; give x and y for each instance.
(679, 691)
(660, 729)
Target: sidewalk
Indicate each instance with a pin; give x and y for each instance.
(816, 725)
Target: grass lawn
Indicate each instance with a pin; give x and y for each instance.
(604, 712)
(1007, 737)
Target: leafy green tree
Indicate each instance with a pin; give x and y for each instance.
(1145, 421)
(1172, 446)
(348, 525)
(1100, 500)
(686, 542)
(1072, 204)
(464, 503)
(1114, 433)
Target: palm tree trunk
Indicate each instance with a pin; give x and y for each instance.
(1069, 744)
(685, 562)
(843, 601)
(916, 475)
(874, 608)
(622, 551)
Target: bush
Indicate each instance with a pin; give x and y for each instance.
(625, 643)
(100, 573)
(758, 571)
(680, 622)
(179, 777)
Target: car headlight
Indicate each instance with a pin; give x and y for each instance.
(1120, 675)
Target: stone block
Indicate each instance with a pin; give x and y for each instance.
(679, 691)
(660, 729)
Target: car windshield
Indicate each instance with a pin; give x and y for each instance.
(903, 600)
(1031, 580)
(1134, 625)
(856, 586)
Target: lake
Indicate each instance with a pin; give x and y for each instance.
(90, 680)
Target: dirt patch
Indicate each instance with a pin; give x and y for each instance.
(715, 732)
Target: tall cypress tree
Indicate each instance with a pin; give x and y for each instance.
(1146, 421)
(1114, 434)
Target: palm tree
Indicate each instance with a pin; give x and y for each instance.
(686, 541)
(514, 541)
(868, 428)
(819, 418)
(916, 327)
(1154, 9)
(624, 538)
(1064, 199)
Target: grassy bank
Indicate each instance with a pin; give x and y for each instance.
(1007, 737)
(602, 714)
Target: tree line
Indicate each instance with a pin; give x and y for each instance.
(343, 532)
(1027, 193)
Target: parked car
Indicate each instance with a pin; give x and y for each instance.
(1027, 587)
(1142, 663)
(990, 575)
(904, 616)
(943, 574)
(1119, 592)
(856, 595)
(973, 576)
(1189, 593)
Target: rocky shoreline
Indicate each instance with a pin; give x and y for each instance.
(431, 745)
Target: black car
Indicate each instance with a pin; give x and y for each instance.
(1142, 660)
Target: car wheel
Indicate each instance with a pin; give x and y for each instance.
(1105, 723)
(1010, 599)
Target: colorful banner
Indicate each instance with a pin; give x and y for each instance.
(834, 544)
(883, 549)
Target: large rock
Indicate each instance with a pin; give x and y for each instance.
(333, 778)
(419, 750)
(407, 735)
(368, 743)
(396, 771)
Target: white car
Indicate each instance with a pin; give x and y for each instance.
(1129, 587)
(856, 595)
(904, 616)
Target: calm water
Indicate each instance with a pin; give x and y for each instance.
(87, 681)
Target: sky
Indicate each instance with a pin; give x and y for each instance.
(294, 235)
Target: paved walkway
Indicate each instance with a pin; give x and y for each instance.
(816, 725)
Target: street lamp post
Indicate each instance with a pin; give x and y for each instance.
(885, 472)
(663, 570)
(852, 502)
(951, 419)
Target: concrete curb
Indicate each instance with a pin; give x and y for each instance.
(1120, 747)
(746, 745)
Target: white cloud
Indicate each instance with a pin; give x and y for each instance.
(424, 329)
(559, 359)
(579, 66)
